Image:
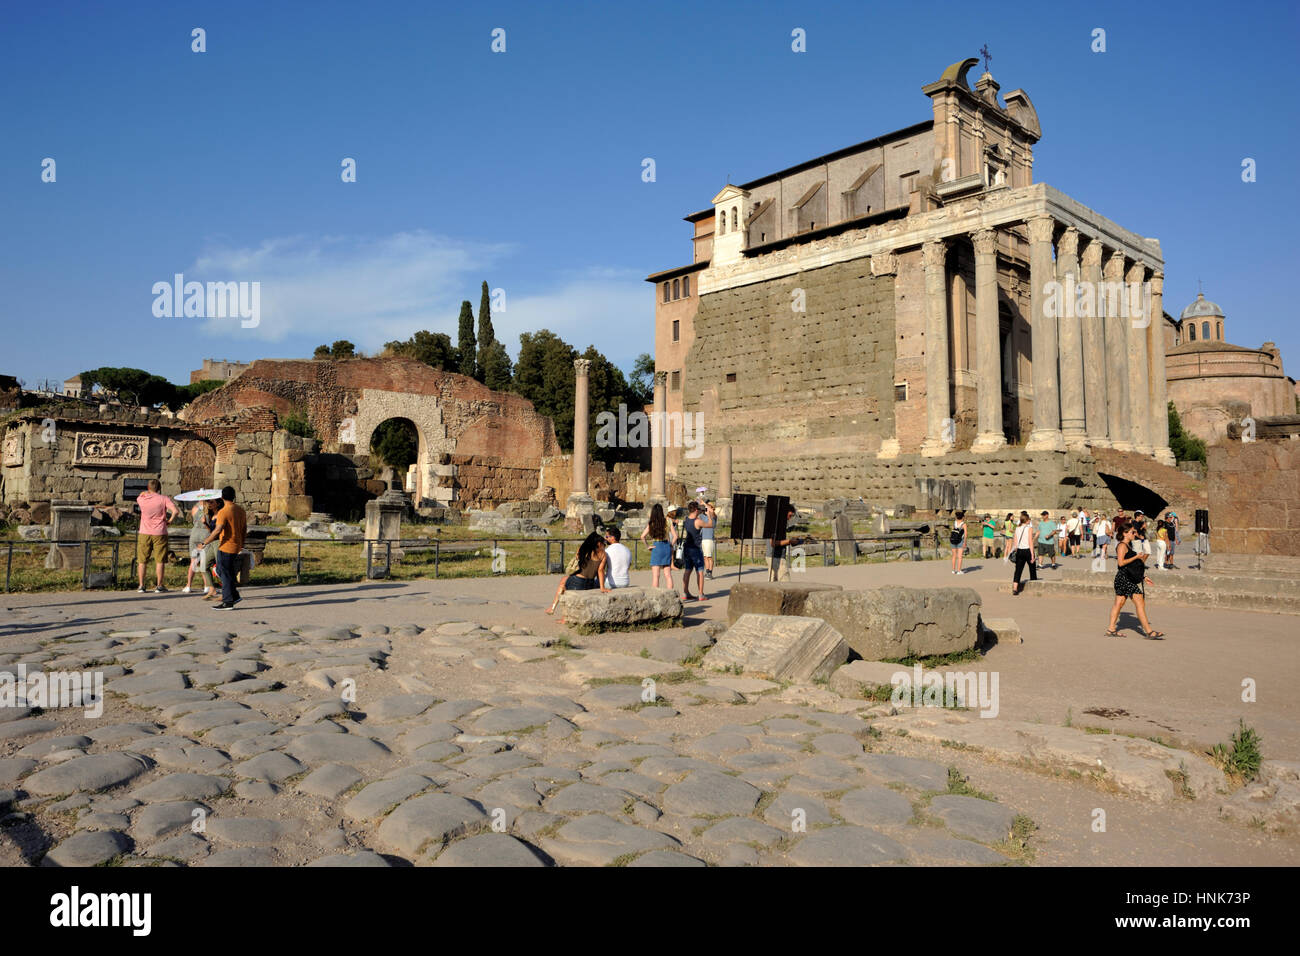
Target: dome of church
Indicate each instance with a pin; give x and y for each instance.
(1201, 307)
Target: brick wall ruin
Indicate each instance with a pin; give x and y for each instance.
(1254, 494)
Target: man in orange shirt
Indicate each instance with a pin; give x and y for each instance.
(232, 523)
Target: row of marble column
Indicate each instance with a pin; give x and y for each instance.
(1098, 379)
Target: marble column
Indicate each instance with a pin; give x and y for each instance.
(658, 454)
(939, 425)
(1073, 422)
(1094, 350)
(1139, 373)
(579, 501)
(1118, 418)
(988, 350)
(1159, 387)
(1046, 435)
(723, 503)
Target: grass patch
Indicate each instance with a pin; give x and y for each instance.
(1180, 779)
(1240, 758)
(937, 660)
(587, 629)
(1095, 730)
(1016, 846)
(959, 786)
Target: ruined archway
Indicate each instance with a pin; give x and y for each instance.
(425, 414)
(395, 444)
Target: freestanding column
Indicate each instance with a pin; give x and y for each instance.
(724, 473)
(581, 413)
(1156, 356)
(658, 456)
(938, 419)
(1094, 350)
(1073, 424)
(1139, 321)
(988, 351)
(1046, 435)
(1117, 408)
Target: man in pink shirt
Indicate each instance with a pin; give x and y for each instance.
(155, 511)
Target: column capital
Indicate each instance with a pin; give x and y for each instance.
(1091, 255)
(1041, 228)
(1068, 245)
(661, 378)
(1157, 283)
(985, 241)
(933, 252)
(884, 264)
(582, 365)
(1136, 272)
(1114, 267)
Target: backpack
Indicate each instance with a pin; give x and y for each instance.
(573, 567)
(957, 537)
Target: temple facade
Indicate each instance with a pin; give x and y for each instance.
(918, 294)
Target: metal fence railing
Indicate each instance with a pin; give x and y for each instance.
(31, 565)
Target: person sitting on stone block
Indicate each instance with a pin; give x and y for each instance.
(587, 570)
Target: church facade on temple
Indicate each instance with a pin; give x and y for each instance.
(914, 297)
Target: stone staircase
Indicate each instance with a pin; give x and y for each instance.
(1244, 591)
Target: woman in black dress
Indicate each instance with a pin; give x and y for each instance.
(1129, 578)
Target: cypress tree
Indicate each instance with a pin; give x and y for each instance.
(465, 345)
(486, 336)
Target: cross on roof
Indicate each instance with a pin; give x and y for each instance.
(984, 52)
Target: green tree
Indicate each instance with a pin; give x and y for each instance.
(343, 349)
(465, 345)
(322, 352)
(295, 422)
(130, 386)
(1185, 447)
(642, 379)
(486, 335)
(187, 393)
(544, 376)
(431, 348)
(396, 443)
(497, 369)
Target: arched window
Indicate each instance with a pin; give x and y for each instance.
(1205, 330)
(722, 223)
(677, 290)
(1220, 331)
(686, 286)
(734, 220)
(665, 291)
(1191, 332)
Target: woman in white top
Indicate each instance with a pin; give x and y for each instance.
(1022, 543)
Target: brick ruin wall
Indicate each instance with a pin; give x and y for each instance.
(1254, 494)
(483, 481)
(806, 383)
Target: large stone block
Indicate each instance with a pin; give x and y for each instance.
(895, 622)
(622, 609)
(779, 647)
(771, 598)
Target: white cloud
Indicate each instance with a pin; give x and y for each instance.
(371, 291)
(366, 290)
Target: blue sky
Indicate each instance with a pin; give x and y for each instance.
(524, 167)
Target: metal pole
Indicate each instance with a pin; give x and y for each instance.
(636, 554)
(297, 565)
(548, 556)
(437, 553)
(388, 557)
(9, 563)
(85, 565)
(367, 560)
(562, 562)
(115, 549)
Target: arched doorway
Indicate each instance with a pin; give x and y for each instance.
(395, 443)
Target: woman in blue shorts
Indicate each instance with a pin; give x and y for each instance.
(662, 536)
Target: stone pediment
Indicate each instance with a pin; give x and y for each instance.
(730, 192)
